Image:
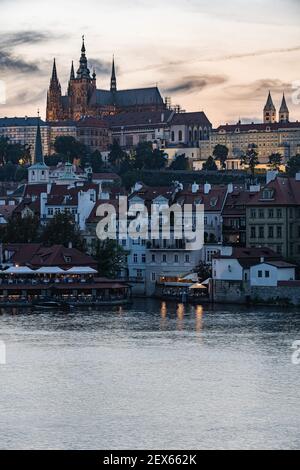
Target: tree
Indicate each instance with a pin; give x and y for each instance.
(275, 160)
(96, 161)
(250, 159)
(4, 143)
(293, 165)
(221, 154)
(70, 148)
(54, 159)
(111, 258)
(21, 230)
(143, 153)
(13, 153)
(156, 161)
(62, 230)
(210, 164)
(116, 156)
(181, 162)
(204, 271)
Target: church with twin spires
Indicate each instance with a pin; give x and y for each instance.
(84, 99)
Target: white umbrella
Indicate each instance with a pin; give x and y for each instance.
(19, 270)
(197, 286)
(50, 270)
(82, 270)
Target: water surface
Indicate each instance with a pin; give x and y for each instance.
(156, 375)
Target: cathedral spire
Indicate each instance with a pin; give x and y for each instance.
(72, 74)
(83, 71)
(38, 151)
(113, 81)
(269, 111)
(284, 114)
(54, 79)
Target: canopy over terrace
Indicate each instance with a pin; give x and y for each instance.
(22, 270)
(50, 270)
(81, 270)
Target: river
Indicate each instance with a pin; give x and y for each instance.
(153, 376)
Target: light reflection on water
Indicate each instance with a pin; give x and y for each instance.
(156, 375)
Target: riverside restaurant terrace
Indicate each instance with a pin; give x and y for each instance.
(21, 285)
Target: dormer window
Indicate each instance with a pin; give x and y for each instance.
(268, 194)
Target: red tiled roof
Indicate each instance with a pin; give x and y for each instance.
(286, 192)
(36, 255)
(260, 127)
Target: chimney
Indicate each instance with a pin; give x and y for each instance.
(271, 176)
(262, 259)
(230, 188)
(70, 245)
(207, 188)
(162, 117)
(195, 187)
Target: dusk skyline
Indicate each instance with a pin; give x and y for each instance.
(222, 62)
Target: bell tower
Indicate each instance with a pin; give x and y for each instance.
(81, 88)
(269, 111)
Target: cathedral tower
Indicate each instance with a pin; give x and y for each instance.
(38, 173)
(284, 114)
(54, 110)
(269, 111)
(81, 87)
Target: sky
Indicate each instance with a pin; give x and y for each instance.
(217, 56)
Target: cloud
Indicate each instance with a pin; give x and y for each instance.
(101, 67)
(257, 89)
(256, 54)
(9, 61)
(196, 83)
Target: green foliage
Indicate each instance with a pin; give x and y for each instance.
(181, 162)
(147, 158)
(111, 258)
(293, 165)
(250, 159)
(210, 165)
(20, 230)
(221, 154)
(55, 159)
(275, 160)
(96, 161)
(61, 230)
(13, 153)
(70, 148)
(117, 156)
(204, 271)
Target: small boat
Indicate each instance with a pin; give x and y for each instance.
(51, 305)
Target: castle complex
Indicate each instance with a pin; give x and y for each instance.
(84, 99)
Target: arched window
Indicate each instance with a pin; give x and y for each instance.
(172, 136)
(195, 135)
(180, 136)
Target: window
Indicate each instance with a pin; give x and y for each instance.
(279, 232)
(164, 258)
(153, 258)
(153, 277)
(271, 232)
(143, 258)
(279, 213)
(271, 213)
(261, 213)
(253, 232)
(139, 274)
(187, 258)
(267, 274)
(261, 232)
(253, 214)
(260, 274)
(176, 258)
(135, 258)
(172, 136)
(180, 136)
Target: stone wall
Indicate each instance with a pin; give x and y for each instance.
(241, 293)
